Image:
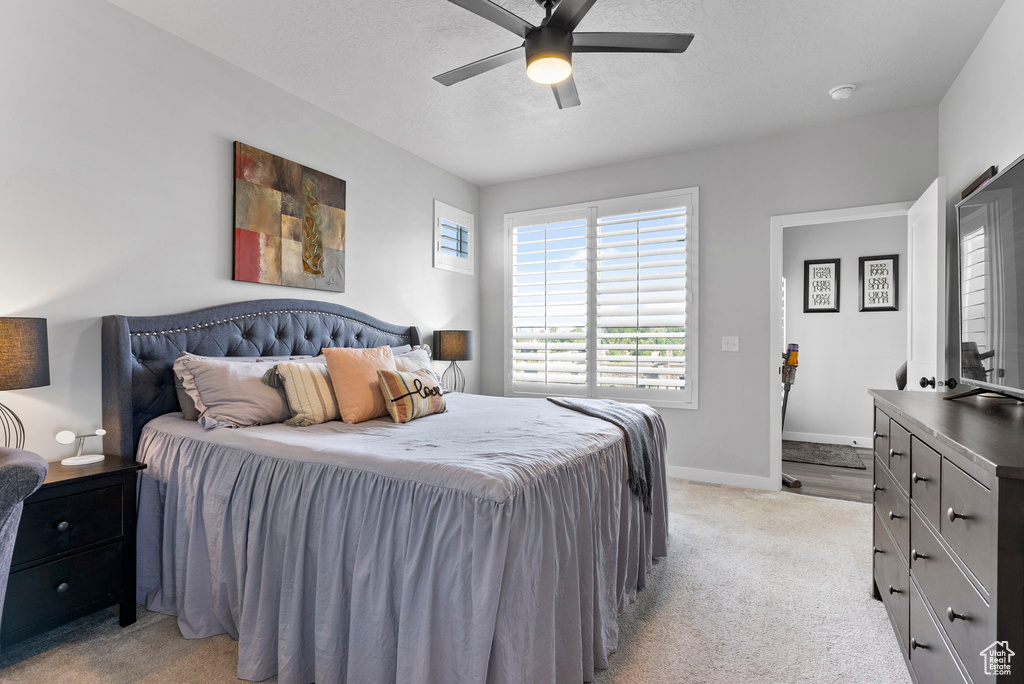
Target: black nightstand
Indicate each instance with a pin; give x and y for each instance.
(75, 550)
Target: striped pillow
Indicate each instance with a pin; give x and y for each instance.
(410, 395)
(310, 394)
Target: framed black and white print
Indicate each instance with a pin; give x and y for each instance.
(821, 286)
(880, 283)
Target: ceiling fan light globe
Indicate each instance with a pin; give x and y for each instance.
(549, 69)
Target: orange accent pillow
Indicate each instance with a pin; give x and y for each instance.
(354, 376)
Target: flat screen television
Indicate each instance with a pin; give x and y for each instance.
(990, 225)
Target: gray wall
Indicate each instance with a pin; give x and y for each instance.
(981, 124)
(842, 355)
(870, 160)
(116, 175)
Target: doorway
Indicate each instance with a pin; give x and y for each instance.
(844, 351)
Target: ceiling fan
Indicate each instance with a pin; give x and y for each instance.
(550, 46)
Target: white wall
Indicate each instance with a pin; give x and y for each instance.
(981, 124)
(870, 160)
(116, 170)
(842, 355)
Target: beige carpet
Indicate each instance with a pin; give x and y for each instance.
(758, 587)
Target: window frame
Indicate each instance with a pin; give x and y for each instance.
(652, 397)
(464, 219)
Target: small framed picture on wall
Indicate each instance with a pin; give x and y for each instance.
(880, 283)
(821, 286)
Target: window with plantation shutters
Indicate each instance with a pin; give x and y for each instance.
(602, 300)
(550, 291)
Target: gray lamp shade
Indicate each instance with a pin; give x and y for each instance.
(24, 353)
(453, 345)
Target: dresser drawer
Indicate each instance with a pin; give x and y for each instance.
(948, 589)
(54, 588)
(893, 581)
(971, 532)
(929, 656)
(67, 523)
(899, 454)
(882, 436)
(926, 464)
(894, 508)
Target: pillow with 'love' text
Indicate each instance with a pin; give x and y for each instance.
(412, 394)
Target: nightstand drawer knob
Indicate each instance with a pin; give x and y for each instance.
(63, 526)
(62, 587)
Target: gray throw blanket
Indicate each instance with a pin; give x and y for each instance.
(636, 423)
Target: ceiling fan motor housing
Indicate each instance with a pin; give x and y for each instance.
(548, 41)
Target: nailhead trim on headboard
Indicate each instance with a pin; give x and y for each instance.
(267, 313)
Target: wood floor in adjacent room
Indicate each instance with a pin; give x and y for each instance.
(831, 482)
(757, 587)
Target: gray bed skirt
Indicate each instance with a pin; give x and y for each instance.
(332, 574)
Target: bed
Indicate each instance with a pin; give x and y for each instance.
(496, 542)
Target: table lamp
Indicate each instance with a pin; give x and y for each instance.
(453, 345)
(24, 363)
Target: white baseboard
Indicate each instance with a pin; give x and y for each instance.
(723, 478)
(860, 442)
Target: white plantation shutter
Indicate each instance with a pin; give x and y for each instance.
(602, 300)
(641, 297)
(549, 303)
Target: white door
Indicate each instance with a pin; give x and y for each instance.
(926, 300)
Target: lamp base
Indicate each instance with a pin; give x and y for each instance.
(14, 431)
(453, 379)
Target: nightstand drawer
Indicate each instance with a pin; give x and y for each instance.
(66, 523)
(61, 586)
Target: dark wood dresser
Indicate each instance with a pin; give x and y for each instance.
(949, 533)
(75, 549)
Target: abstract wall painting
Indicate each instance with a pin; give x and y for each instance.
(880, 283)
(289, 223)
(821, 286)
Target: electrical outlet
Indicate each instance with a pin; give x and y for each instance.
(730, 344)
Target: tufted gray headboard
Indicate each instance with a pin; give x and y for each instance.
(138, 351)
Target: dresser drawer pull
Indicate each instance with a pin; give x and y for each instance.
(875, 549)
(63, 526)
(894, 590)
(952, 615)
(893, 452)
(915, 478)
(63, 586)
(894, 516)
(876, 488)
(953, 515)
(914, 555)
(875, 435)
(915, 644)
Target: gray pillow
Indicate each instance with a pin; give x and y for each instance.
(227, 393)
(188, 407)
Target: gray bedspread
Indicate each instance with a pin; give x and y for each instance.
(494, 543)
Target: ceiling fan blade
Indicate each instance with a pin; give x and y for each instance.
(566, 94)
(496, 15)
(569, 13)
(480, 66)
(631, 42)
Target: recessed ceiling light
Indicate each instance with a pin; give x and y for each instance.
(842, 92)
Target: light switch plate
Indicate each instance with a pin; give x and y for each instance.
(730, 344)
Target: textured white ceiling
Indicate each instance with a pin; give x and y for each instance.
(755, 67)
